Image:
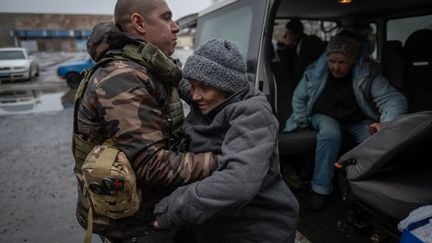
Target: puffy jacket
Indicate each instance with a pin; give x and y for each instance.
(375, 96)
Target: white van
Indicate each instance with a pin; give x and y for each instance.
(400, 38)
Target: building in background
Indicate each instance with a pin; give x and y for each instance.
(48, 32)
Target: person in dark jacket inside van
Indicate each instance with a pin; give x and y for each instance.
(301, 49)
(245, 199)
(344, 91)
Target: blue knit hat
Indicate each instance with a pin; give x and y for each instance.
(218, 63)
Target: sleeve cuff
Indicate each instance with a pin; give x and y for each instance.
(160, 212)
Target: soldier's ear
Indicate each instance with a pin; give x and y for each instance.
(138, 23)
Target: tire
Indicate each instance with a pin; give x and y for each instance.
(73, 80)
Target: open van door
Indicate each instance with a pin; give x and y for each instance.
(245, 23)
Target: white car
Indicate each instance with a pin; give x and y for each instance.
(16, 64)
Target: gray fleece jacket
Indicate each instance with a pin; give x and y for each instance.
(245, 199)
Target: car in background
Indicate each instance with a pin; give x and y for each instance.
(17, 64)
(72, 71)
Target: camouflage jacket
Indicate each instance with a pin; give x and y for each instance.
(131, 104)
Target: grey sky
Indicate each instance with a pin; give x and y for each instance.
(179, 8)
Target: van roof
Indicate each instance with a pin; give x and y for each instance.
(333, 9)
(216, 5)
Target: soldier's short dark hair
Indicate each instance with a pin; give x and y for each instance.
(125, 8)
(295, 25)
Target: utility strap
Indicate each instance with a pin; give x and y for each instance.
(89, 232)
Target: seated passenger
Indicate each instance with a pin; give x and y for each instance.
(304, 49)
(343, 92)
(245, 200)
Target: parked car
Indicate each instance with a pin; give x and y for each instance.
(17, 64)
(72, 71)
(400, 37)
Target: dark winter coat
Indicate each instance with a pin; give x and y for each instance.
(245, 199)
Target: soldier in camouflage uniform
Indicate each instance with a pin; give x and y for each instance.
(131, 98)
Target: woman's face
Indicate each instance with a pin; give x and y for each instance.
(339, 64)
(206, 97)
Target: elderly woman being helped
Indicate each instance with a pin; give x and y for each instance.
(245, 199)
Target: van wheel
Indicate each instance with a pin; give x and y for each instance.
(73, 79)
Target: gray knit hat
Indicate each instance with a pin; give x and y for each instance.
(218, 63)
(342, 43)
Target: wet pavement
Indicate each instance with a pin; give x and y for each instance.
(37, 196)
(30, 101)
(38, 186)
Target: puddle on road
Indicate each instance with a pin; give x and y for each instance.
(34, 101)
(14, 102)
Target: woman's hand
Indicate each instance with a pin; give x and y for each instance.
(375, 127)
(156, 224)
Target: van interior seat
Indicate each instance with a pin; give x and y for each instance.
(285, 82)
(393, 62)
(297, 142)
(418, 48)
(395, 192)
(388, 173)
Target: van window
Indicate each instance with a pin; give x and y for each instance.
(241, 22)
(322, 29)
(235, 26)
(372, 38)
(400, 29)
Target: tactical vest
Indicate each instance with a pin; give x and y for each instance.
(167, 71)
(159, 66)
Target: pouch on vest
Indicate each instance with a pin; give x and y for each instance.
(109, 184)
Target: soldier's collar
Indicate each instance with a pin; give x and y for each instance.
(155, 60)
